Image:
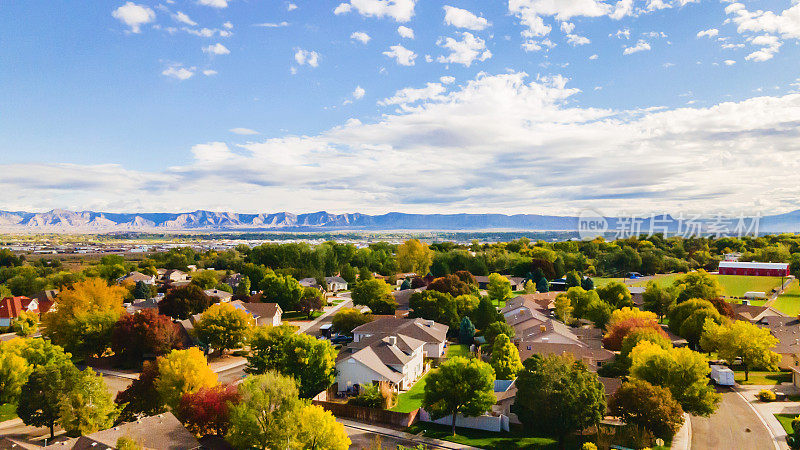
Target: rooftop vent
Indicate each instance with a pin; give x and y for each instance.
(392, 340)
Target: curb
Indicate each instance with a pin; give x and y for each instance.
(763, 422)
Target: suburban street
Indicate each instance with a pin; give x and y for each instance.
(734, 425)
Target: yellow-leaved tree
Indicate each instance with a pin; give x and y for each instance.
(182, 371)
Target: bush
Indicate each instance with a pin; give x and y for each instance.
(588, 446)
(378, 396)
(796, 425)
(766, 395)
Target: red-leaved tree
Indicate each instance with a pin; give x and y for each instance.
(143, 333)
(617, 331)
(207, 410)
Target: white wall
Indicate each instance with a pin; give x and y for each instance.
(350, 372)
(488, 423)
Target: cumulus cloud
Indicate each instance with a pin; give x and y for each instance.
(462, 18)
(178, 72)
(405, 32)
(531, 12)
(465, 51)
(771, 45)
(213, 3)
(291, 7)
(243, 131)
(304, 57)
(412, 95)
(183, 18)
(447, 79)
(506, 143)
(729, 62)
(640, 46)
(402, 55)
(359, 93)
(575, 40)
(399, 10)
(360, 36)
(209, 72)
(134, 15)
(216, 49)
(711, 32)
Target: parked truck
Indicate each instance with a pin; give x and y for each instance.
(722, 375)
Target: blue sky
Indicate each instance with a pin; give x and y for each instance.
(520, 106)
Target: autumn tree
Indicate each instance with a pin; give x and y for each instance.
(414, 256)
(346, 319)
(742, 341)
(683, 371)
(698, 285)
(84, 317)
(263, 418)
(143, 333)
(87, 407)
(183, 302)
(318, 429)
(499, 288)
(624, 321)
(207, 411)
(310, 361)
(25, 324)
(450, 284)
(505, 358)
(223, 327)
(19, 357)
(182, 371)
(563, 308)
(574, 396)
(141, 398)
(459, 386)
(649, 407)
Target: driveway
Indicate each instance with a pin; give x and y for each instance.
(734, 425)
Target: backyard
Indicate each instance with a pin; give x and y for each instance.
(411, 399)
(483, 439)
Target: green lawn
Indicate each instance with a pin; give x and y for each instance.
(411, 399)
(8, 411)
(299, 316)
(661, 280)
(786, 421)
(762, 378)
(789, 302)
(737, 285)
(457, 350)
(483, 439)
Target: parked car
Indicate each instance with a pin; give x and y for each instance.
(341, 339)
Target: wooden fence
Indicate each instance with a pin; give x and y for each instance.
(369, 415)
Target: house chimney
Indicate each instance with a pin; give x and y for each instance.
(392, 340)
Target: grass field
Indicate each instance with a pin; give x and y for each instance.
(8, 411)
(762, 378)
(299, 316)
(457, 350)
(412, 399)
(484, 439)
(786, 421)
(789, 302)
(732, 285)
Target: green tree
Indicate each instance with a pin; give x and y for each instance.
(224, 327)
(745, 341)
(615, 294)
(205, 279)
(183, 302)
(141, 290)
(346, 319)
(369, 292)
(349, 273)
(495, 329)
(530, 287)
(263, 419)
(436, 306)
(499, 288)
(658, 299)
(310, 361)
(505, 358)
(312, 300)
(650, 407)
(563, 308)
(637, 335)
(697, 285)
(414, 256)
(466, 331)
(43, 391)
(486, 313)
(283, 290)
(87, 407)
(587, 284)
(459, 386)
(683, 371)
(25, 324)
(18, 358)
(574, 397)
(243, 288)
(683, 310)
(573, 279)
(182, 371)
(543, 285)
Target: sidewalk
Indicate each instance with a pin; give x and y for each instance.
(767, 411)
(402, 435)
(306, 325)
(683, 438)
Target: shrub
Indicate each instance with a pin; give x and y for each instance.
(766, 395)
(375, 396)
(796, 425)
(588, 446)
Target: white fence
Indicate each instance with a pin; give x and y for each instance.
(487, 423)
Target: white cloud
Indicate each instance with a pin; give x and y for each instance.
(593, 57)
(786, 23)
(711, 32)
(359, 93)
(178, 72)
(183, 18)
(399, 10)
(134, 15)
(402, 55)
(567, 27)
(640, 46)
(291, 7)
(531, 12)
(447, 79)
(405, 32)
(228, 25)
(243, 131)
(209, 72)
(462, 18)
(729, 62)
(213, 3)
(530, 45)
(500, 143)
(576, 40)
(624, 33)
(360, 36)
(771, 45)
(304, 57)
(216, 49)
(272, 24)
(465, 51)
(407, 96)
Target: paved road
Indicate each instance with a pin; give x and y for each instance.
(734, 425)
(361, 439)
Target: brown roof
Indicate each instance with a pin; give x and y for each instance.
(753, 313)
(11, 307)
(424, 330)
(787, 330)
(258, 310)
(380, 355)
(588, 355)
(611, 385)
(163, 432)
(549, 326)
(404, 297)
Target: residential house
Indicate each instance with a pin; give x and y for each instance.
(787, 331)
(334, 284)
(754, 314)
(403, 297)
(517, 283)
(637, 295)
(175, 276)
(221, 295)
(264, 314)
(163, 431)
(542, 301)
(395, 359)
(135, 277)
(309, 282)
(45, 300)
(12, 307)
(593, 357)
(433, 334)
(233, 280)
(141, 305)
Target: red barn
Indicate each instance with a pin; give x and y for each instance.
(760, 269)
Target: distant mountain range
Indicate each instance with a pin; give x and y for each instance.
(63, 221)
